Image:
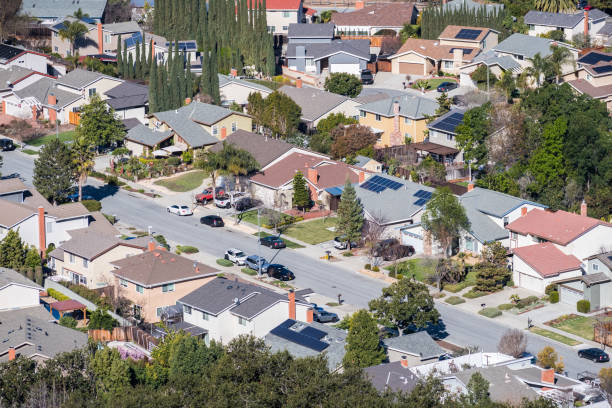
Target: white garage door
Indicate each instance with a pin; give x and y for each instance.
(348, 68)
(569, 296)
(409, 238)
(530, 282)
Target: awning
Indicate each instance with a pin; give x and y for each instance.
(179, 147)
(335, 191)
(161, 153)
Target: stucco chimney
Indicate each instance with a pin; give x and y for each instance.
(457, 57)
(234, 72)
(52, 101)
(523, 211)
(187, 101)
(298, 83)
(223, 132)
(291, 296)
(100, 39)
(586, 22)
(583, 209)
(361, 176)
(42, 233)
(470, 186)
(404, 361)
(309, 316)
(34, 112)
(548, 376)
(359, 4)
(313, 175)
(11, 353)
(395, 138)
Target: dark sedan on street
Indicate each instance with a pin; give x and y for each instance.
(212, 220)
(272, 242)
(280, 272)
(594, 354)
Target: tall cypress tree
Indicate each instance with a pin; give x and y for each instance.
(137, 67)
(214, 78)
(205, 77)
(162, 89)
(188, 81)
(119, 61)
(124, 63)
(130, 67)
(143, 58)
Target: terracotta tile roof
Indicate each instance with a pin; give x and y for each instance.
(451, 31)
(378, 15)
(158, 267)
(546, 259)
(330, 173)
(283, 4)
(585, 87)
(433, 49)
(560, 227)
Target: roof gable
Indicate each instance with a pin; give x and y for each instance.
(546, 259)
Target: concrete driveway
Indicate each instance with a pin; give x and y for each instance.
(393, 85)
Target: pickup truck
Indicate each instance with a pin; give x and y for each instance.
(207, 195)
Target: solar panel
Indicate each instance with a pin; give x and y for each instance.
(468, 34)
(449, 123)
(593, 58)
(420, 202)
(287, 323)
(133, 40)
(378, 183)
(314, 333)
(603, 69)
(299, 338)
(419, 193)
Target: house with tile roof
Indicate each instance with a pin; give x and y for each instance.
(587, 22)
(85, 259)
(593, 76)
(156, 279)
(369, 20)
(227, 308)
(280, 14)
(235, 90)
(17, 291)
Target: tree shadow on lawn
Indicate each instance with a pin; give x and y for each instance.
(101, 192)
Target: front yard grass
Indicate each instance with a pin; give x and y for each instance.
(490, 312)
(290, 244)
(313, 232)
(579, 325)
(433, 83)
(184, 182)
(417, 267)
(30, 152)
(454, 300)
(63, 137)
(554, 336)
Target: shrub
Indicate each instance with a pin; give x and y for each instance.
(188, 249)
(456, 287)
(89, 294)
(100, 319)
(553, 297)
(187, 156)
(473, 294)
(490, 312)
(392, 273)
(111, 218)
(550, 288)
(224, 262)
(505, 306)
(439, 295)
(173, 161)
(161, 240)
(112, 180)
(248, 271)
(57, 295)
(92, 205)
(454, 300)
(583, 306)
(68, 321)
(368, 267)
(375, 269)
(347, 253)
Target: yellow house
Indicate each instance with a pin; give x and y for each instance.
(398, 118)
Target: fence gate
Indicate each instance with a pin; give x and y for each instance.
(74, 118)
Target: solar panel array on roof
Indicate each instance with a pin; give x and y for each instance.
(593, 58)
(377, 184)
(133, 40)
(603, 69)
(299, 338)
(185, 45)
(7, 52)
(314, 333)
(423, 197)
(449, 123)
(468, 34)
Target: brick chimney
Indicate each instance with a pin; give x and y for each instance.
(313, 175)
(586, 22)
(42, 233)
(359, 4)
(523, 211)
(291, 296)
(309, 316)
(234, 73)
(187, 101)
(100, 39)
(470, 186)
(583, 209)
(52, 100)
(151, 246)
(298, 83)
(34, 112)
(361, 176)
(548, 376)
(404, 361)
(223, 133)
(396, 137)
(11, 353)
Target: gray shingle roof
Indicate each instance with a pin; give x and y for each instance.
(311, 31)
(61, 8)
(565, 20)
(418, 344)
(226, 79)
(8, 276)
(357, 48)
(314, 102)
(127, 95)
(79, 78)
(606, 29)
(14, 73)
(122, 28)
(412, 106)
(362, 160)
(90, 244)
(606, 258)
(263, 149)
(334, 352)
(385, 203)
(503, 384)
(44, 338)
(527, 46)
(149, 137)
(391, 376)
(41, 89)
(506, 62)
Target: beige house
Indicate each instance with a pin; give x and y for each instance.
(415, 348)
(86, 258)
(472, 37)
(593, 76)
(236, 90)
(156, 279)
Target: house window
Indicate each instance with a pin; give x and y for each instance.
(531, 27)
(92, 92)
(56, 49)
(242, 321)
(215, 130)
(310, 62)
(506, 221)
(285, 28)
(123, 283)
(71, 258)
(589, 77)
(270, 29)
(595, 267)
(513, 235)
(137, 312)
(139, 289)
(83, 280)
(159, 311)
(168, 288)
(448, 64)
(469, 243)
(519, 57)
(85, 263)
(286, 14)
(187, 309)
(234, 126)
(49, 227)
(362, 114)
(407, 121)
(55, 35)
(378, 118)
(205, 316)
(449, 137)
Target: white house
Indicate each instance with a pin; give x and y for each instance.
(281, 13)
(16, 291)
(161, 46)
(12, 56)
(228, 308)
(571, 24)
(235, 90)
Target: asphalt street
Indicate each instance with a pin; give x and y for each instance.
(326, 279)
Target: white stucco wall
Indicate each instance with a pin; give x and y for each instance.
(526, 277)
(132, 113)
(16, 296)
(238, 93)
(30, 61)
(590, 243)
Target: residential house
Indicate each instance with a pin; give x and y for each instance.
(143, 141)
(368, 163)
(586, 22)
(313, 50)
(471, 37)
(369, 20)
(235, 90)
(394, 377)
(156, 279)
(273, 186)
(474, 6)
(188, 49)
(129, 100)
(443, 132)
(595, 286)
(308, 340)
(49, 12)
(17, 291)
(413, 349)
(593, 76)
(198, 125)
(38, 222)
(100, 39)
(227, 308)
(604, 35)
(32, 333)
(86, 258)
(398, 118)
(280, 14)
(14, 56)
(15, 78)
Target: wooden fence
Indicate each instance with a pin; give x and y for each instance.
(132, 333)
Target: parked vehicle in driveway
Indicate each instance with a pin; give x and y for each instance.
(6, 144)
(595, 354)
(447, 86)
(236, 256)
(280, 272)
(342, 243)
(224, 201)
(212, 220)
(391, 249)
(179, 209)
(366, 77)
(207, 195)
(244, 204)
(272, 242)
(323, 316)
(253, 262)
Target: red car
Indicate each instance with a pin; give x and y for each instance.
(207, 195)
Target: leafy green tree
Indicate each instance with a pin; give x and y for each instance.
(430, 170)
(350, 139)
(473, 132)
(549, 358)
(98, 125)
(82, 162)
(301, 192)
(112, 373)
(230, 160)
(32, 259)
(363, 348)
(12, 251)
(405, 303)
(322, 140)
(72, 31)
(53, 171)
(507, 84)
(444, 103)
(256, 108)
(68, 321)
(492, 271)
(409, 31)
(17, 378)
(343, 84)
(100, 319)
(281, 114)
(538, 69)
(444, 218)
(478, 392)
(350, 215)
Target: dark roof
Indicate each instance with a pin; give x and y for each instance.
(595, 278)
(9, 276)
(263, 149)
(44, 87)
(143, 135)
(311, 31)
(128, 102)
(391, 376)
(8, 52)
(358, 48)
(90, 244)
(504, 386)
(127, 89)
(130, 123)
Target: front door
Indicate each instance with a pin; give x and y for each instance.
(75, 278)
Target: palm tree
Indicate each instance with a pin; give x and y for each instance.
(72, 31)
(507, 84)
(82, 162)
(559, 57)
(230, 160)
(538, 67)
(555, 6)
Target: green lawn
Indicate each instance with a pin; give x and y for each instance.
(434, 83)
(420, 268)
(313, 232)
(185, 182)
(290, 244)
(251, 217)
(30, 151)
(554, 336)
(64, 137)
(580, 326)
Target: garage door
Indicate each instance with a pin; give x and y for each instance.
(409, 238)
(411, 68)
(348, 68)
(569, 296)
(530, 282)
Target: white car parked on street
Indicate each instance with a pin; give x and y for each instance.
(236, 256)
(179, 210)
